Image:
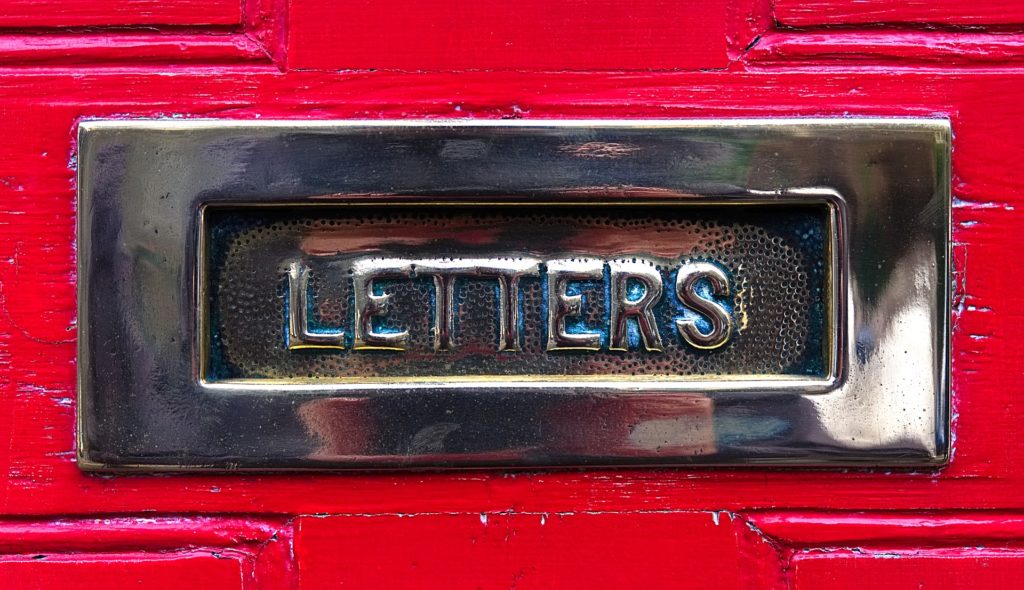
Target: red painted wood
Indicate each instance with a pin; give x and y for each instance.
(152, 552)
(137, 534)
(910, 529)
(958, 569)
(132, 49)
(79, 13)
(892, 48)
(265, 21)
(126, 571)
(802, 13)
(37, 316)
(500, 35)
(614, 551)
(627, 528)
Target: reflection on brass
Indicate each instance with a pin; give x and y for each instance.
(624, 306)
(507, 272)
(562, 306)
(687, 279)
(350, 294)
(370, 305)
(637, 426)
(299, 335)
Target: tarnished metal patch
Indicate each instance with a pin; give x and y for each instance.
(278, 295)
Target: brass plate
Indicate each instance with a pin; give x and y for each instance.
(382, 294)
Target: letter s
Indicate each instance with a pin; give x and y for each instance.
(689, 275)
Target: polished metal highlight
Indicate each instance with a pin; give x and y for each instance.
(369, 305)
(720, 320)
(562, 306)
(506, 272)
(624, 307)
(299, 335)
(374, 294)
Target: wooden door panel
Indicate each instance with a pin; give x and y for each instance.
(530, 550)
(957, 569)
(805, 13)
(751, 527)
(39, 306)
(55, 14)
(117, 571)
(495, 35)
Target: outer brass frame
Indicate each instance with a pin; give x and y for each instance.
(144, 401)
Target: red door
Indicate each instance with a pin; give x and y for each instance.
(61, 62)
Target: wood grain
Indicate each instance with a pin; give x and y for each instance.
(886, 47)
(82, 13)
(146, 552)
(128, 49)
(148, 534)
(804, 13)
(808, 529)
(122, 571)
(957, 569)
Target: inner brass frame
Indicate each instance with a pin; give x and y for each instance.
(832, 341)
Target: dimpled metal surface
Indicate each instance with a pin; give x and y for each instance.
(776, 256)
